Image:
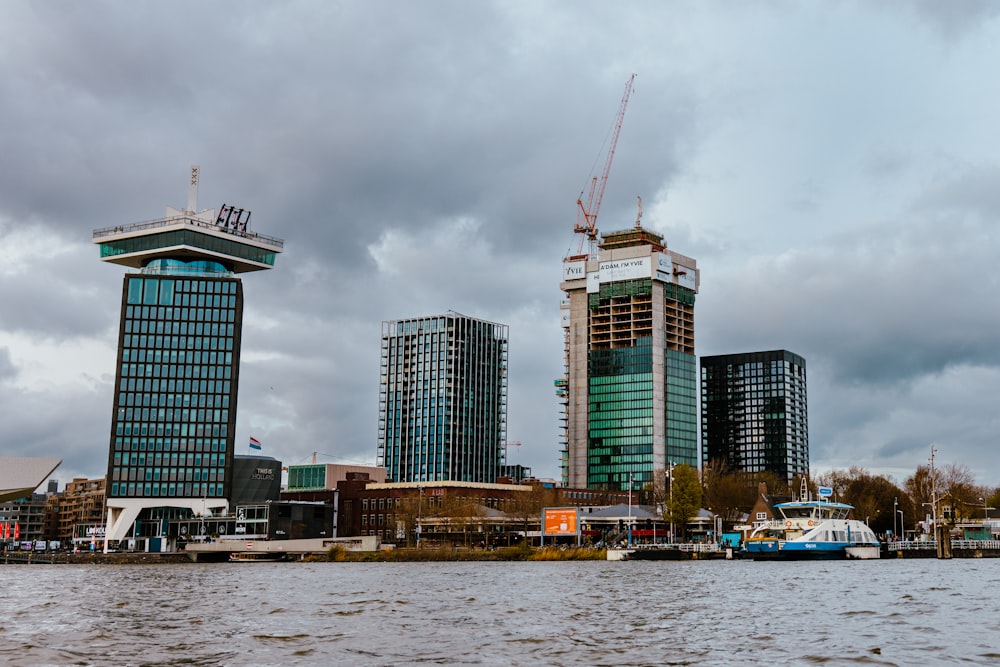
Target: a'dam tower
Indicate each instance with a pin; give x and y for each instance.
(174, 411)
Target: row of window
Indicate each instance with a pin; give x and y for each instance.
(181, 301)
(173, 400)
(173, 415)
(221, 342)
(195, 357)
(186, 319)
(172, 430)
(167, 474)
(174, 385)
(624, 381)
(177, 371)
(161, 290)
(167, 489)
(170, 458)
(170, 444)
(201, 322)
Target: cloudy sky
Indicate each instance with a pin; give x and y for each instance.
(832, 166)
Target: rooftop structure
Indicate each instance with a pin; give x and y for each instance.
(324, 476)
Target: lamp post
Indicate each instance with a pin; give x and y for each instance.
(629, 526)
(895, 511)
(670, 499)
(420, 511)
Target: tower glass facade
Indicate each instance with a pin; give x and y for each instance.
(443, 399)
(178, 370)
(629, 397)
(755, 412)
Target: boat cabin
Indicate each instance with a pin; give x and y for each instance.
(817, 511)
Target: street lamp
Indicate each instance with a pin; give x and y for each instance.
(895, 511)
(420, 511)
(670, 500)
(629, 510)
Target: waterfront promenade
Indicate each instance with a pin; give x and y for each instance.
(694, 551)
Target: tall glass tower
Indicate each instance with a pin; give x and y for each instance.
(174, 415)
(755, 412)
(629, 396)
(443, 399)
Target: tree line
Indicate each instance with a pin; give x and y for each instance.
(876, 499)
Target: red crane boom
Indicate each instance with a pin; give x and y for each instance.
(586, 223)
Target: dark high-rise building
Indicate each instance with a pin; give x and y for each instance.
(754, 412)
(630, 394)
(443, 399)
(173, 422)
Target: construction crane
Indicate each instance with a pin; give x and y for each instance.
(586, 222)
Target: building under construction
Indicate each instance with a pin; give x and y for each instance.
(631, 386)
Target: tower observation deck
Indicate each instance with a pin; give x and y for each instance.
(222, 243)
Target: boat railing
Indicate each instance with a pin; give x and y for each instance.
(698, 547)
(918, 545)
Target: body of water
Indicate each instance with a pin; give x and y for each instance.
(893, 612)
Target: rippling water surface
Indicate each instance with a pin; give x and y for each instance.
(891, 612)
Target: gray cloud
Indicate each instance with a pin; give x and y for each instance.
(8, 370)
(421, 160)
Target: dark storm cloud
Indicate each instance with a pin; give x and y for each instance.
(331, 128)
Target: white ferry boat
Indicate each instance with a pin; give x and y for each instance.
(812, 530)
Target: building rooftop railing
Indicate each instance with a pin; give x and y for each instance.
(188, 220)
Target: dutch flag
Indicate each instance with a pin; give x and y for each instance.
(254, 443)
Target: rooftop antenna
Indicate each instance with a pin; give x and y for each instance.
(193, 190)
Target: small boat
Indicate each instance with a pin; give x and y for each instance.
(256, 556)
(812, 530)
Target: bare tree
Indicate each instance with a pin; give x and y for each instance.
(729, 494)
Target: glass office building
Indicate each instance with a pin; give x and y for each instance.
(174, 413)
(755, 412)
(443, 399)
(629, 396)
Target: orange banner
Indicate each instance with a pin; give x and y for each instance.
(559, 521)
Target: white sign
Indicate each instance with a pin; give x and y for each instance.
(574, 270)
(624, 269)
(593, 282)
(686, 277)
